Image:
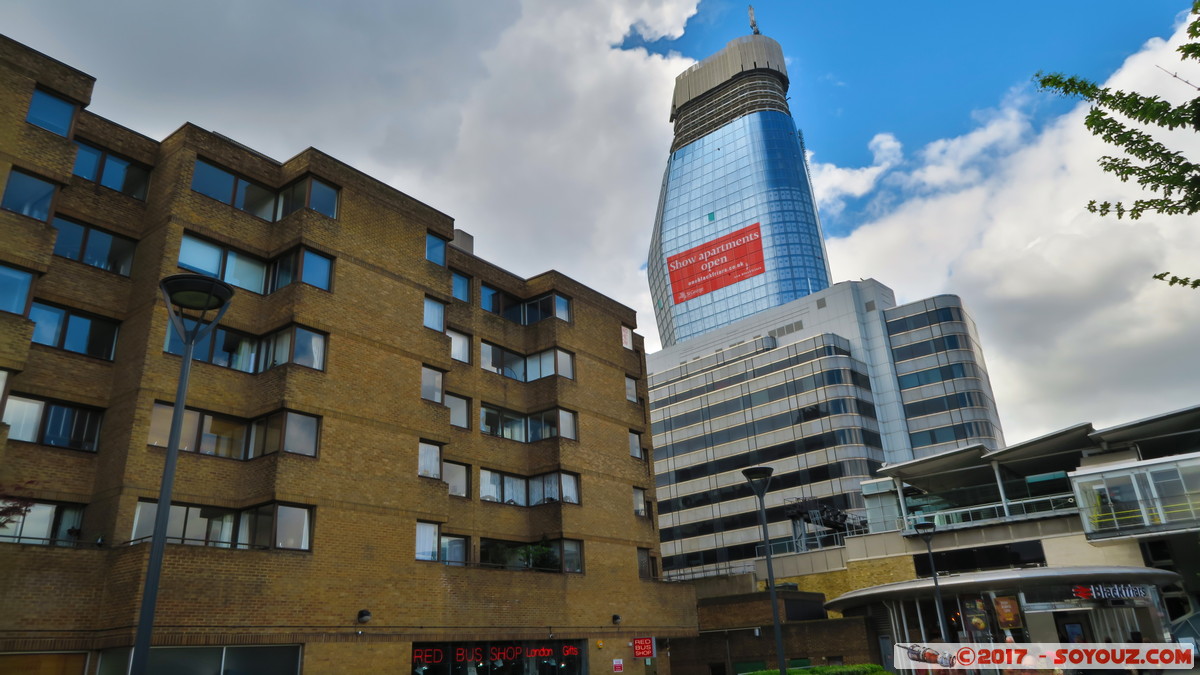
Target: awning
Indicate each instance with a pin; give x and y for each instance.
(990, 580)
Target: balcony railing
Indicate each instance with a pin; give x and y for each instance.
(1118, 519)
(1018, 509)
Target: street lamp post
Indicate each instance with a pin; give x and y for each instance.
(926, 529)
(759, 478)
(202, 294)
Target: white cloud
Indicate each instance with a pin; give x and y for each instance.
(1072, 325)
(833, 184)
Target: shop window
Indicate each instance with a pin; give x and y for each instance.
(457, 476)
(44, 523)
(50, 112)
(429, 459)
(435, 249)
(117, 173)
(460, 410)
(269, 660)
(431, 384)
(14, 289)
(435, 314)
(91, 246)
(27, 195)
(50, 423)
(460, 346)
(460, 286)
(73, 331)
(270, 526)
(225, 436)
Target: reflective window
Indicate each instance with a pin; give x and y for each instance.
(522, 368)
(213, 182)
(631, 393)
(431, 384)
(496, 421)
(323, 198)
(308, 192)
(73, 331)
(939, 374)
(924, 319)
(524, 312)
(427, 541)
(51, 112)
(927, 347)
(233, 267)
(453, 550)
(635, 445)
(94, 247)
(310, 349)
(460, 346)
(235, 438)
(547, 555)
(316, 269)
(278, 526)
(14, 289)
(45, 524)
(460, 286)
(435, 249)
(49, 423)
(950, 434)
(303, 264)
(435, 314)
(27, 195)
(457, 476)
(460, 410)
(113, 172)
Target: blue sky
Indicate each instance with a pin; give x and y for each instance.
(542, 128)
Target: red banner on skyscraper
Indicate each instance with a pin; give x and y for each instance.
(716, 264)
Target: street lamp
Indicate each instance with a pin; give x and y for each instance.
(926, 529)
(759, 478)
(200, 294)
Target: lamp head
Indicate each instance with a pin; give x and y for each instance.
(196, 291)
(759, 478)
(925, 530)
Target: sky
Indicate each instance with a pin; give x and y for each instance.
(542, 127)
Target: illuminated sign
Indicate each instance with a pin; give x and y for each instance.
(1008, 611)
(716, 264)
(1102, 591)
(643, 648)
(468, 653)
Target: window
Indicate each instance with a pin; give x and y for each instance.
(496, 421)
(45, 523)
(435, 314)
(524, 312)
(635, 445)
(645, 563)
(626, 337)
(631, 393)
(293, 345)
(429, 459)
(453, 550)
(223, 186)
(227, 348)
(302, 264)
(458, 477)
(554, 487)
(14, 289)
(510, 364)
(460, 346)
(51, 112)
(460, 410)
(514, 490)
(238, 269)
(548, 555)
(460, 286)
(435, 249)
(270, 526)
(49, 423)
(640, 506)
(73, 331)
(27, 195)
(427, 541)
(88, 245)
(308, 192)
(117, 173)
(431, 384)
(225, 436)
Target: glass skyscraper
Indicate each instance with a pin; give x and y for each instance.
(737, 230)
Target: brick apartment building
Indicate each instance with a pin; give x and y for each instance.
(383, 421)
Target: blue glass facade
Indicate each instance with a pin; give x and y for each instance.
(750, 170)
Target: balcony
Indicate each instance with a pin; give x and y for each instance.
(983, 514)
(1143, 498)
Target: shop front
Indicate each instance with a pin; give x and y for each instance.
(524, 657)
(1045, 604)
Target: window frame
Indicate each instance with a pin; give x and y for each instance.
(64, 329)
(237, 190)
(58, 519)
(224, 263)
(307, 179)
(430, 301)
(631, 389)
(647, 569)
(299, 259)
(437, 541)
(140, 191)
(635, 442)
(434, 378)
(243, 534)
(446, 395)
(466, 491)
(464, 339)
(422, 447)
(26, 211)
(33, 99)
(85, 239)
(626, 337)
(253, 430)
(28, 291)
(435, 248)
(641, 502)
(43, 421)
(455, 276)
